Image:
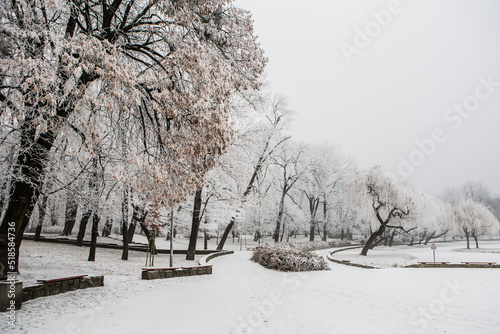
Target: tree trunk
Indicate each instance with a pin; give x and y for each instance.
(282, 232)
(311, 230)
(391, 238)
(466, 231)
(42, 209)
(70, 216)
(228, 229)
(54, 219)
(434, 236)
(372, 238)
(106, 231)
(195, 225)
(411, 241)
(144, 229)
(429, 237)
(281, 210)
(474, 235)
(131, 230)
(19, 209)
(25, 193)
(95, 233)
(138, 217)
(83, 227)
(125, 225)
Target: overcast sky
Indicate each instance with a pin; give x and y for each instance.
(376, 77)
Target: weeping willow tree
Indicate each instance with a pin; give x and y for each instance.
(386, 203)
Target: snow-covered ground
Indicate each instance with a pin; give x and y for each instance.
(400, 256)
(243, 297)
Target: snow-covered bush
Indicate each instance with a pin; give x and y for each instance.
(285, 258)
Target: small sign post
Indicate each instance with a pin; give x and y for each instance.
(433, 247)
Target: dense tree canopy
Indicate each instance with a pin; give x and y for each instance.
(147, 81)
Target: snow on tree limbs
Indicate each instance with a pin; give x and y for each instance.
(166, 67)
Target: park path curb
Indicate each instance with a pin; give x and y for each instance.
(204, 260)
(348, 263)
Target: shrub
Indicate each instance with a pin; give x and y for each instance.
(284, 257)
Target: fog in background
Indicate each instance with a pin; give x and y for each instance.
(398, 88)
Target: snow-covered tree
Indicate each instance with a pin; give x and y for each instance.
(259, 142)
(434, 224)
(474, 219)
(169, 65)
(289, 170)
(376, 195)
(321, 183)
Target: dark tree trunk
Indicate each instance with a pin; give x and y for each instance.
(25, 193)
(125, 225)
(223, 239)
(466, 231)
(195, 225)
(131, 230)
(70, 216)
(42, 209)
(431, 236)
(434, 236)
(147, 233)
(95, 233)
(205, 241)
(83, 227)
(422, 238)
(282, 232)
(378, 241)
(372, 238)
(106, 231)
(14, 223)
(311, 230)
(411, 241)
(474, 235)
(138, 217)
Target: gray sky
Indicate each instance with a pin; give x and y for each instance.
(377, 83)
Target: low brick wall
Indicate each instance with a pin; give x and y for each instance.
(54, 288)
(176, 272)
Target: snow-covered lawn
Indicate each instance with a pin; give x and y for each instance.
(243, 297)
(400, 256)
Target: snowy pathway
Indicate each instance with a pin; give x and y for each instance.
(243, 297)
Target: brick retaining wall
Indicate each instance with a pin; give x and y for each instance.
(54, 288)
(175, 272)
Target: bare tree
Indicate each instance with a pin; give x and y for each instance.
(288, 162)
